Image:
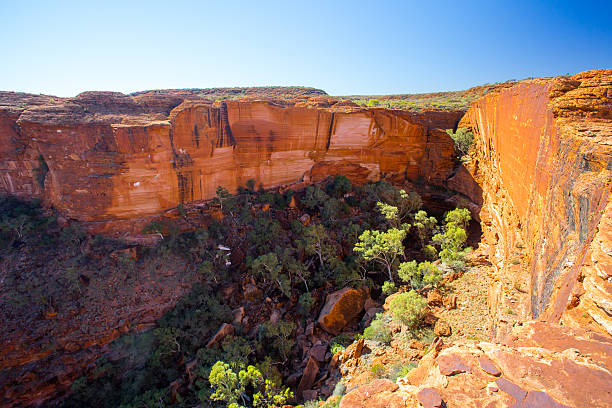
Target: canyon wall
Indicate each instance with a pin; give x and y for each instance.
(108, 156)
(543, 160)
(542, 164)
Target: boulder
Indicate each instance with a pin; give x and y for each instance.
(442, 328)
(429, 398)
(341, 307)
(377, 394)
(308, 377)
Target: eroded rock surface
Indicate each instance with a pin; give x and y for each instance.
(542, 158)
(105, 156)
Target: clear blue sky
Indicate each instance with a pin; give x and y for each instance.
(344, 47)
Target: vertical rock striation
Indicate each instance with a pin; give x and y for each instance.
(543, 157)
(108, 156)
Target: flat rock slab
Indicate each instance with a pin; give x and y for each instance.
(429, 398)
(489, 366)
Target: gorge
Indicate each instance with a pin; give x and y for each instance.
(537, 180)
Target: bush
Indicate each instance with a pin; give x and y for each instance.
(378, 330)
(277, 337)
(381, 247)
(338, 187)
(306, 303)
(421, 275)
(231, 387)
(339, 343)
(463, 140)
(408, 308)
(389, 288)
(271, 273)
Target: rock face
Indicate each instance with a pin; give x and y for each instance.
(105, 156)
(543, 158)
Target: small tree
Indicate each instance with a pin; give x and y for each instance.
(453, 239)
(231, 387)
(408, 308)
(222, 197)
(381, 247)
(316, 242)
(338, 187)
(421, 275)
(463, 140)
(278, 337)
(271, 271)
(425, 226)
(459, 216)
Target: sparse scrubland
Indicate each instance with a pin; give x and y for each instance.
(293, 248)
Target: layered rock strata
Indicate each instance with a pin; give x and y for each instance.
(108, 156)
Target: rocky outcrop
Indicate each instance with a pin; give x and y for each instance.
(539, 365)
(543, 158)
(108, 156)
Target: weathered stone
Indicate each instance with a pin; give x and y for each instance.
(442, 328)
(429, 398)
(309, 376)
(238, 315)
(377, 394)
(450, 302)
(512, 389)
(318, 352)
(309, 395)
(434, 297)
(340, 308)
(224, 331)
(488, 366)
(451, 365)
(540, 399)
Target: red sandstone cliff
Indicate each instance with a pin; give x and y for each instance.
(542, 158)
(112, 156)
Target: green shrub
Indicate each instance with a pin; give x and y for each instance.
(421, 275)
(277, 338)
(408, 308)
(339, 186)
(306, 302)
(424, 226)
(463, 140)
(381, 247)
(388, 288)
(377, 370)
(378, 330)
(339, 343)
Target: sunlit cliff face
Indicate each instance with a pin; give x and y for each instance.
(130, 164)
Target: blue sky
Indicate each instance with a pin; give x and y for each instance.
(344, 47)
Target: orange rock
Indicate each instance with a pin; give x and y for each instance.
(541, 156)
(442, 328)
(340, 308)
(114, 157)
(309, 376)
(224, 331)
(377, 394)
